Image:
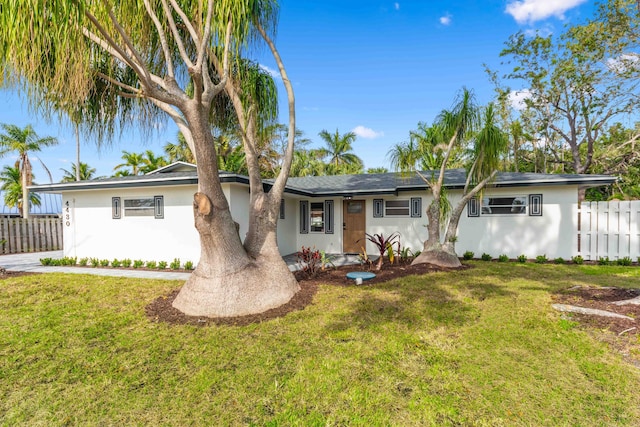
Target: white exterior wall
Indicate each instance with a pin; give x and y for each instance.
(288, 228)
(330, 243)
(92, 232)
(553, 234)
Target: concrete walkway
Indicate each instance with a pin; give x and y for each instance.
(30, 262)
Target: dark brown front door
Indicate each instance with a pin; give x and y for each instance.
(353, 227)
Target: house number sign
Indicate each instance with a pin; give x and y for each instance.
(67, 214)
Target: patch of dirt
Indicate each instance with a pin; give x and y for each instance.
(621, 334)
(4, 274)
(161, 310)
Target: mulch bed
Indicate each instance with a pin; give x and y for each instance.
(601, 299)
(161, 310)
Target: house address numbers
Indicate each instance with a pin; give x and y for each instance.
(67, 214)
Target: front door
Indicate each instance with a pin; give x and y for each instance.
(353, 227)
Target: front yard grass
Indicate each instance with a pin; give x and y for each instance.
(473, 347)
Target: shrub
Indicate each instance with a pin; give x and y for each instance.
(126, 263)
(541, 259)
(46, 261)
(577, 259)
(104, 263)
(83, 262)
(95, 262)
(624, 261)
(559, 260)
(138, 263)
(188, 265)
(151, 264)
(309, 260)
(467, 255)
(485, 257)
(175, 264)
(405, 254)
(116, 263)
(416, 254)
(503, 258)
(604, 260)
(522, 258)
(384, 245)
(162, 265)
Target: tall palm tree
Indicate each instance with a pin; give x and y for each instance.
(84, 173)
(133, 162)
(152, 162)
(339, 151)
(23, 141)
(12, 187)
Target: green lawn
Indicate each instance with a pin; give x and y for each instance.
(475, 347)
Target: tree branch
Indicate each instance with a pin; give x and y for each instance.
(163, 39)
(174, 30)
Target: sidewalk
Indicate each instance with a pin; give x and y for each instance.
(30, 262)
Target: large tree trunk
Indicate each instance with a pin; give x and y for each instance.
(229, 280)
(436, 252)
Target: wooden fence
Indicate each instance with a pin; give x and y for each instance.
(30, 235)
(609, 229)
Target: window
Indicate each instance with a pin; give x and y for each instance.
(535, 204)
(473, 207)
(317, 217)
(416, 207)
(378, 208)
(504, 205)
(147, 206)
(396, 207)
(116, 208)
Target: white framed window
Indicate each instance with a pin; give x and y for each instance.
(400, 207)
(504, 205)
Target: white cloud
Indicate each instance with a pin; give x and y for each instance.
(273, 73)
(530, 11)
(517, 98)
(446, 19)
(368, 133)
(624, 63)
(396, 6)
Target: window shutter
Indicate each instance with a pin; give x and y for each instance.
(535, 204)
(116, 208)
(304, 216)
(281, 208)
(416, 207)
(378, 208)
(328, 217)
(473, 207)
(158, 207)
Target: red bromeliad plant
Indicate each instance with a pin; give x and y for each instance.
(310, 260)
(382, 244)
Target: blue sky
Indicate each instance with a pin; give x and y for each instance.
(375, 67)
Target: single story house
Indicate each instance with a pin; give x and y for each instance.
(150, 217)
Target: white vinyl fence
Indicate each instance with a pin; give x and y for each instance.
(609, 229)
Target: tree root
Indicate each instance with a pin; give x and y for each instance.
(589, 311)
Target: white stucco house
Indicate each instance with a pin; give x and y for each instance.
(150, 217)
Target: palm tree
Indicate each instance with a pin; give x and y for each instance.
(339, 150)
(465, 125)
(12, 187)
(152, 162)
(179, 152)
(133, 162)
(84, 173)
(24, 141)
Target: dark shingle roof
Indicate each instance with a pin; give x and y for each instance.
(366, 184)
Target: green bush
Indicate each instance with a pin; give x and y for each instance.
(503, 258)
(162, 265)
(46, 261)
(188, 265)
(151, 264)
(577, 260)
(116, 263)
(541, 259)
(624, 261)
(83, 262)
(104, 263)
(467, 255)
(175, 264)
(604, 260)
(559, 260)
(95, 262)
(138, 263)
(522, 258)
(485, 257)
(126, 263)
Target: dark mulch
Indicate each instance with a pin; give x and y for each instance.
(160, 310)
(9, 274)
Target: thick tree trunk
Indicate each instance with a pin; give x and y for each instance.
(436, 252)
(229, 279)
